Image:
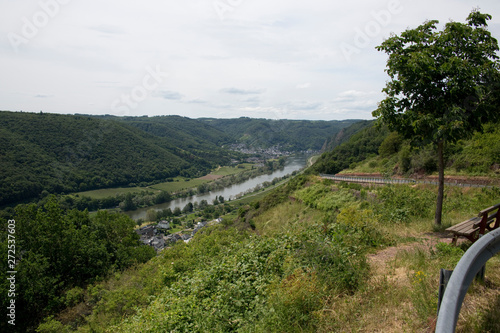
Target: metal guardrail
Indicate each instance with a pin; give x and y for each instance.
(375, 180)
(469, 265)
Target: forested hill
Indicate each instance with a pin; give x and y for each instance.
(358, 142)
(346, 133)
(181, 132)
(63, 153)
(293, 135)
(376, 149)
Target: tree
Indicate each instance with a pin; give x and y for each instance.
(163, 197)
(188, 208)
(129, 203)
(151, 215)
(442, 85)
(177, 211)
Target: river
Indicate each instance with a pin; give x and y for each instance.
(293, 163)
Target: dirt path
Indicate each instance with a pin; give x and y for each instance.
(428, 241)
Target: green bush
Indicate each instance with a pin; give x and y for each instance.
(401, 203)
(325, 198)
(391, 144)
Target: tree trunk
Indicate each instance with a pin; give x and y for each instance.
(440, 196)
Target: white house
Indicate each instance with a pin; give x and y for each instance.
(163, 225)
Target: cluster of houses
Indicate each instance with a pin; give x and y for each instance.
(271, 152)
(158, 237)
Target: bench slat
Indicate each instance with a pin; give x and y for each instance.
(462, 228)
(465, 225)
(466, 232)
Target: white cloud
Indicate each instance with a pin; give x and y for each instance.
(303, 85)
(166, 94)
(268, 59)
(43, 95)
(237, 91)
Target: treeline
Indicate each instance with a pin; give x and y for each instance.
(147, 198)
(292, 135)
(204, 209)
(125, 202)
(58, 252)
(63, 153)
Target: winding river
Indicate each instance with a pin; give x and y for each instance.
(293, 163)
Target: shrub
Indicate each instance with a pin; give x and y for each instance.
(324, 198)
(400, 203)
(390, 145)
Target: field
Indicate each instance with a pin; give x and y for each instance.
(229, 170)
(179, 183)
(111, 192)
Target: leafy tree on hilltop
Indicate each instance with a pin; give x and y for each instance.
(443, 85)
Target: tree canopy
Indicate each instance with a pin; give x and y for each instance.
(59, 250)
(443, 84)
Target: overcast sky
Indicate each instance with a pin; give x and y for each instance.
(277, 59)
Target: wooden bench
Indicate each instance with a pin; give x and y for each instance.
(473, 228)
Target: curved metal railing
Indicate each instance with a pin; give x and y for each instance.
(467, 268)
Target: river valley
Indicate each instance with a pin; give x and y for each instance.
(293, 163)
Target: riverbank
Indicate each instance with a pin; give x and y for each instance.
(176, 184)
(228, 187)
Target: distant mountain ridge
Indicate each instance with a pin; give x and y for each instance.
(65, 153)
(69, 153)
(293, 135)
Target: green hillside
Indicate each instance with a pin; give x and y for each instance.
(181, 132)
(363, 141)
(345, 134)
(376, 150)
(62, 153)
(293, 135)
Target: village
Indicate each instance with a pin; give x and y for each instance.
(264, 153)
(159, 237)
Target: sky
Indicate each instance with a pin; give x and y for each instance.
(274, 59)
